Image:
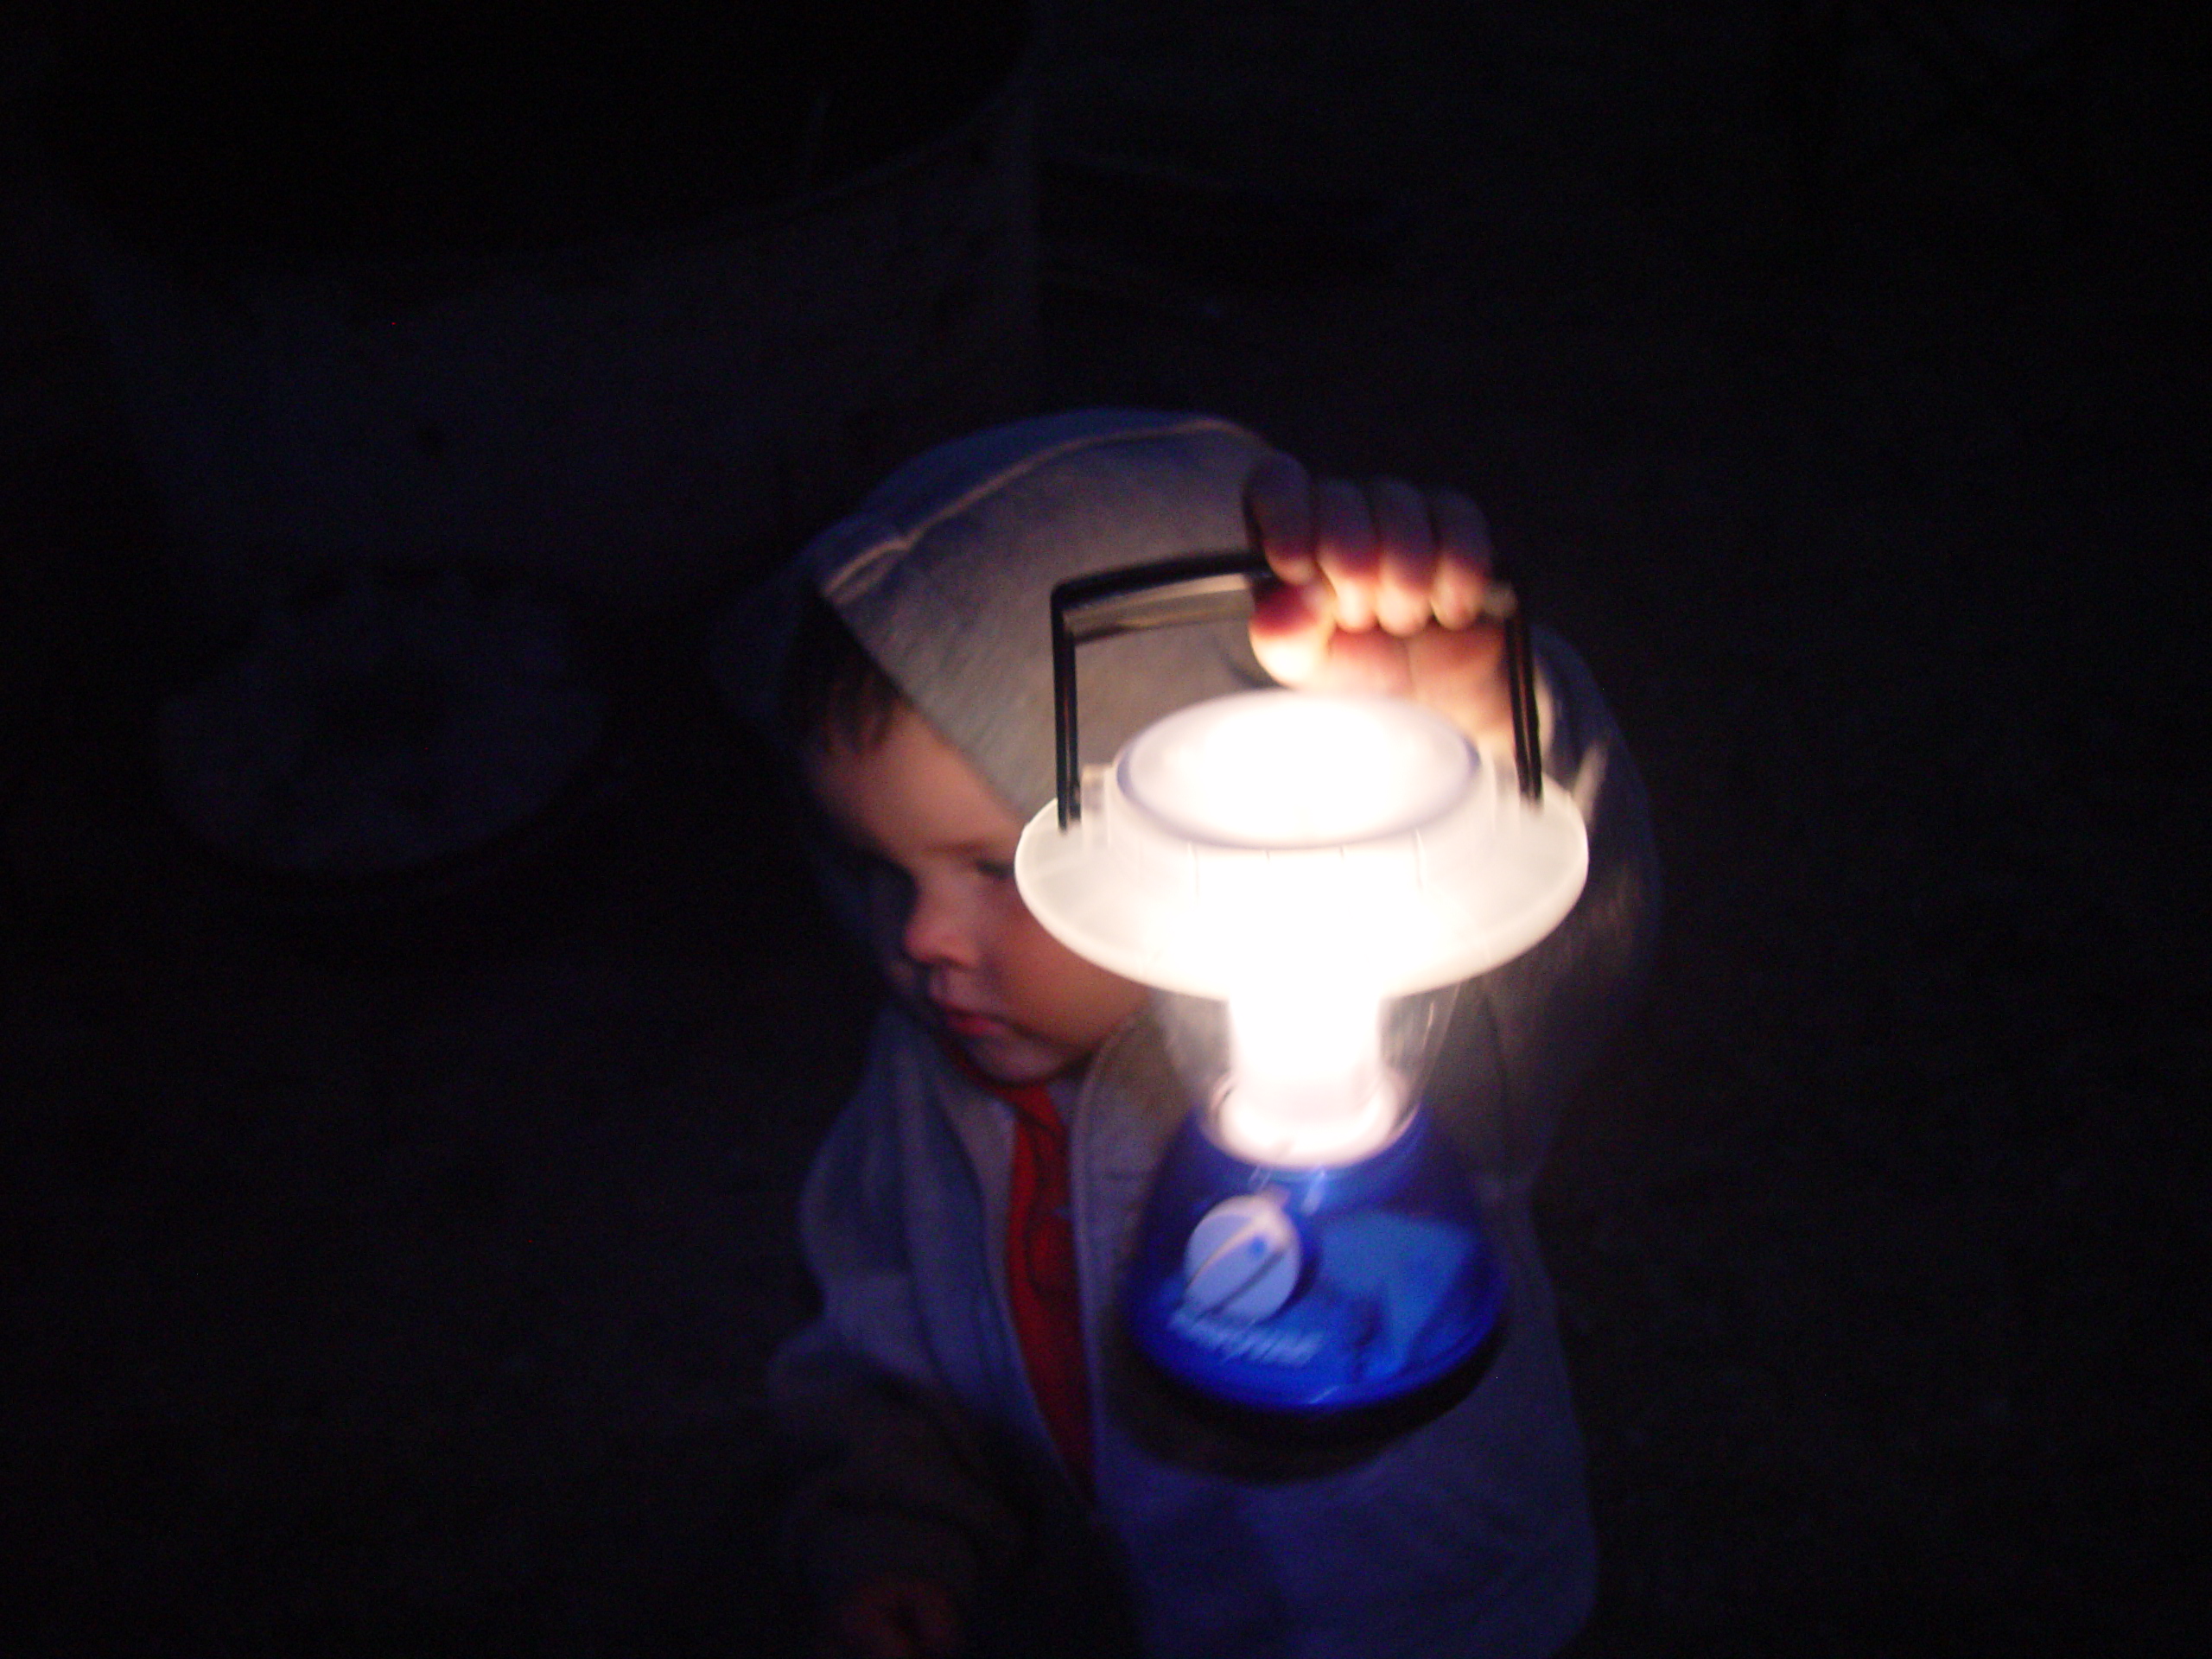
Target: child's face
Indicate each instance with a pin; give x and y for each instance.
(1021, 1005)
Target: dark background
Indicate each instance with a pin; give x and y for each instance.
(398, 1280)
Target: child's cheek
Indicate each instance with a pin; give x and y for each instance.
(1086, 1001)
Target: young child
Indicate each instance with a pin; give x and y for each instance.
(997, 1474)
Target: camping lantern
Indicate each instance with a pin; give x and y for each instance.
(1304, 879)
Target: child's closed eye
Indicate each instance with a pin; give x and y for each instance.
(883, 881)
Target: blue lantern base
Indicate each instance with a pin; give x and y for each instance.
(1314, 1292)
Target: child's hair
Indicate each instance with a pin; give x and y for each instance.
(833, 692)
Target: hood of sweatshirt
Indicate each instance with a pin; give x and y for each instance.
(945, 574)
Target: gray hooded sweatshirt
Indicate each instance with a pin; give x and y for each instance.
(1468, 1534)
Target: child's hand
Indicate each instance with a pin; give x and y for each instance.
(897, 1618)
(1382, 589)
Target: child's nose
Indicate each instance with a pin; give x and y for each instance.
(938, 933)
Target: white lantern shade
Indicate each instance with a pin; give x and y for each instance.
(1276, 836)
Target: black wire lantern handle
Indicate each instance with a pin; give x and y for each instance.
(1212, 588)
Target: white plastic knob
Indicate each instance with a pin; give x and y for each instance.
(1242, 1260)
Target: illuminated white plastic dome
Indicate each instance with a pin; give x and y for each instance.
(1274, 832)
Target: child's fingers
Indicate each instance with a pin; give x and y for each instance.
(1458, 673)
(1291, 631)
(1343, 545)
(1372, 661)
(1292, 622)
(1463, 558)
(1278, 512)
(1408, 561)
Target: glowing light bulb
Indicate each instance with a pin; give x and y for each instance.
(1306, 1083)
